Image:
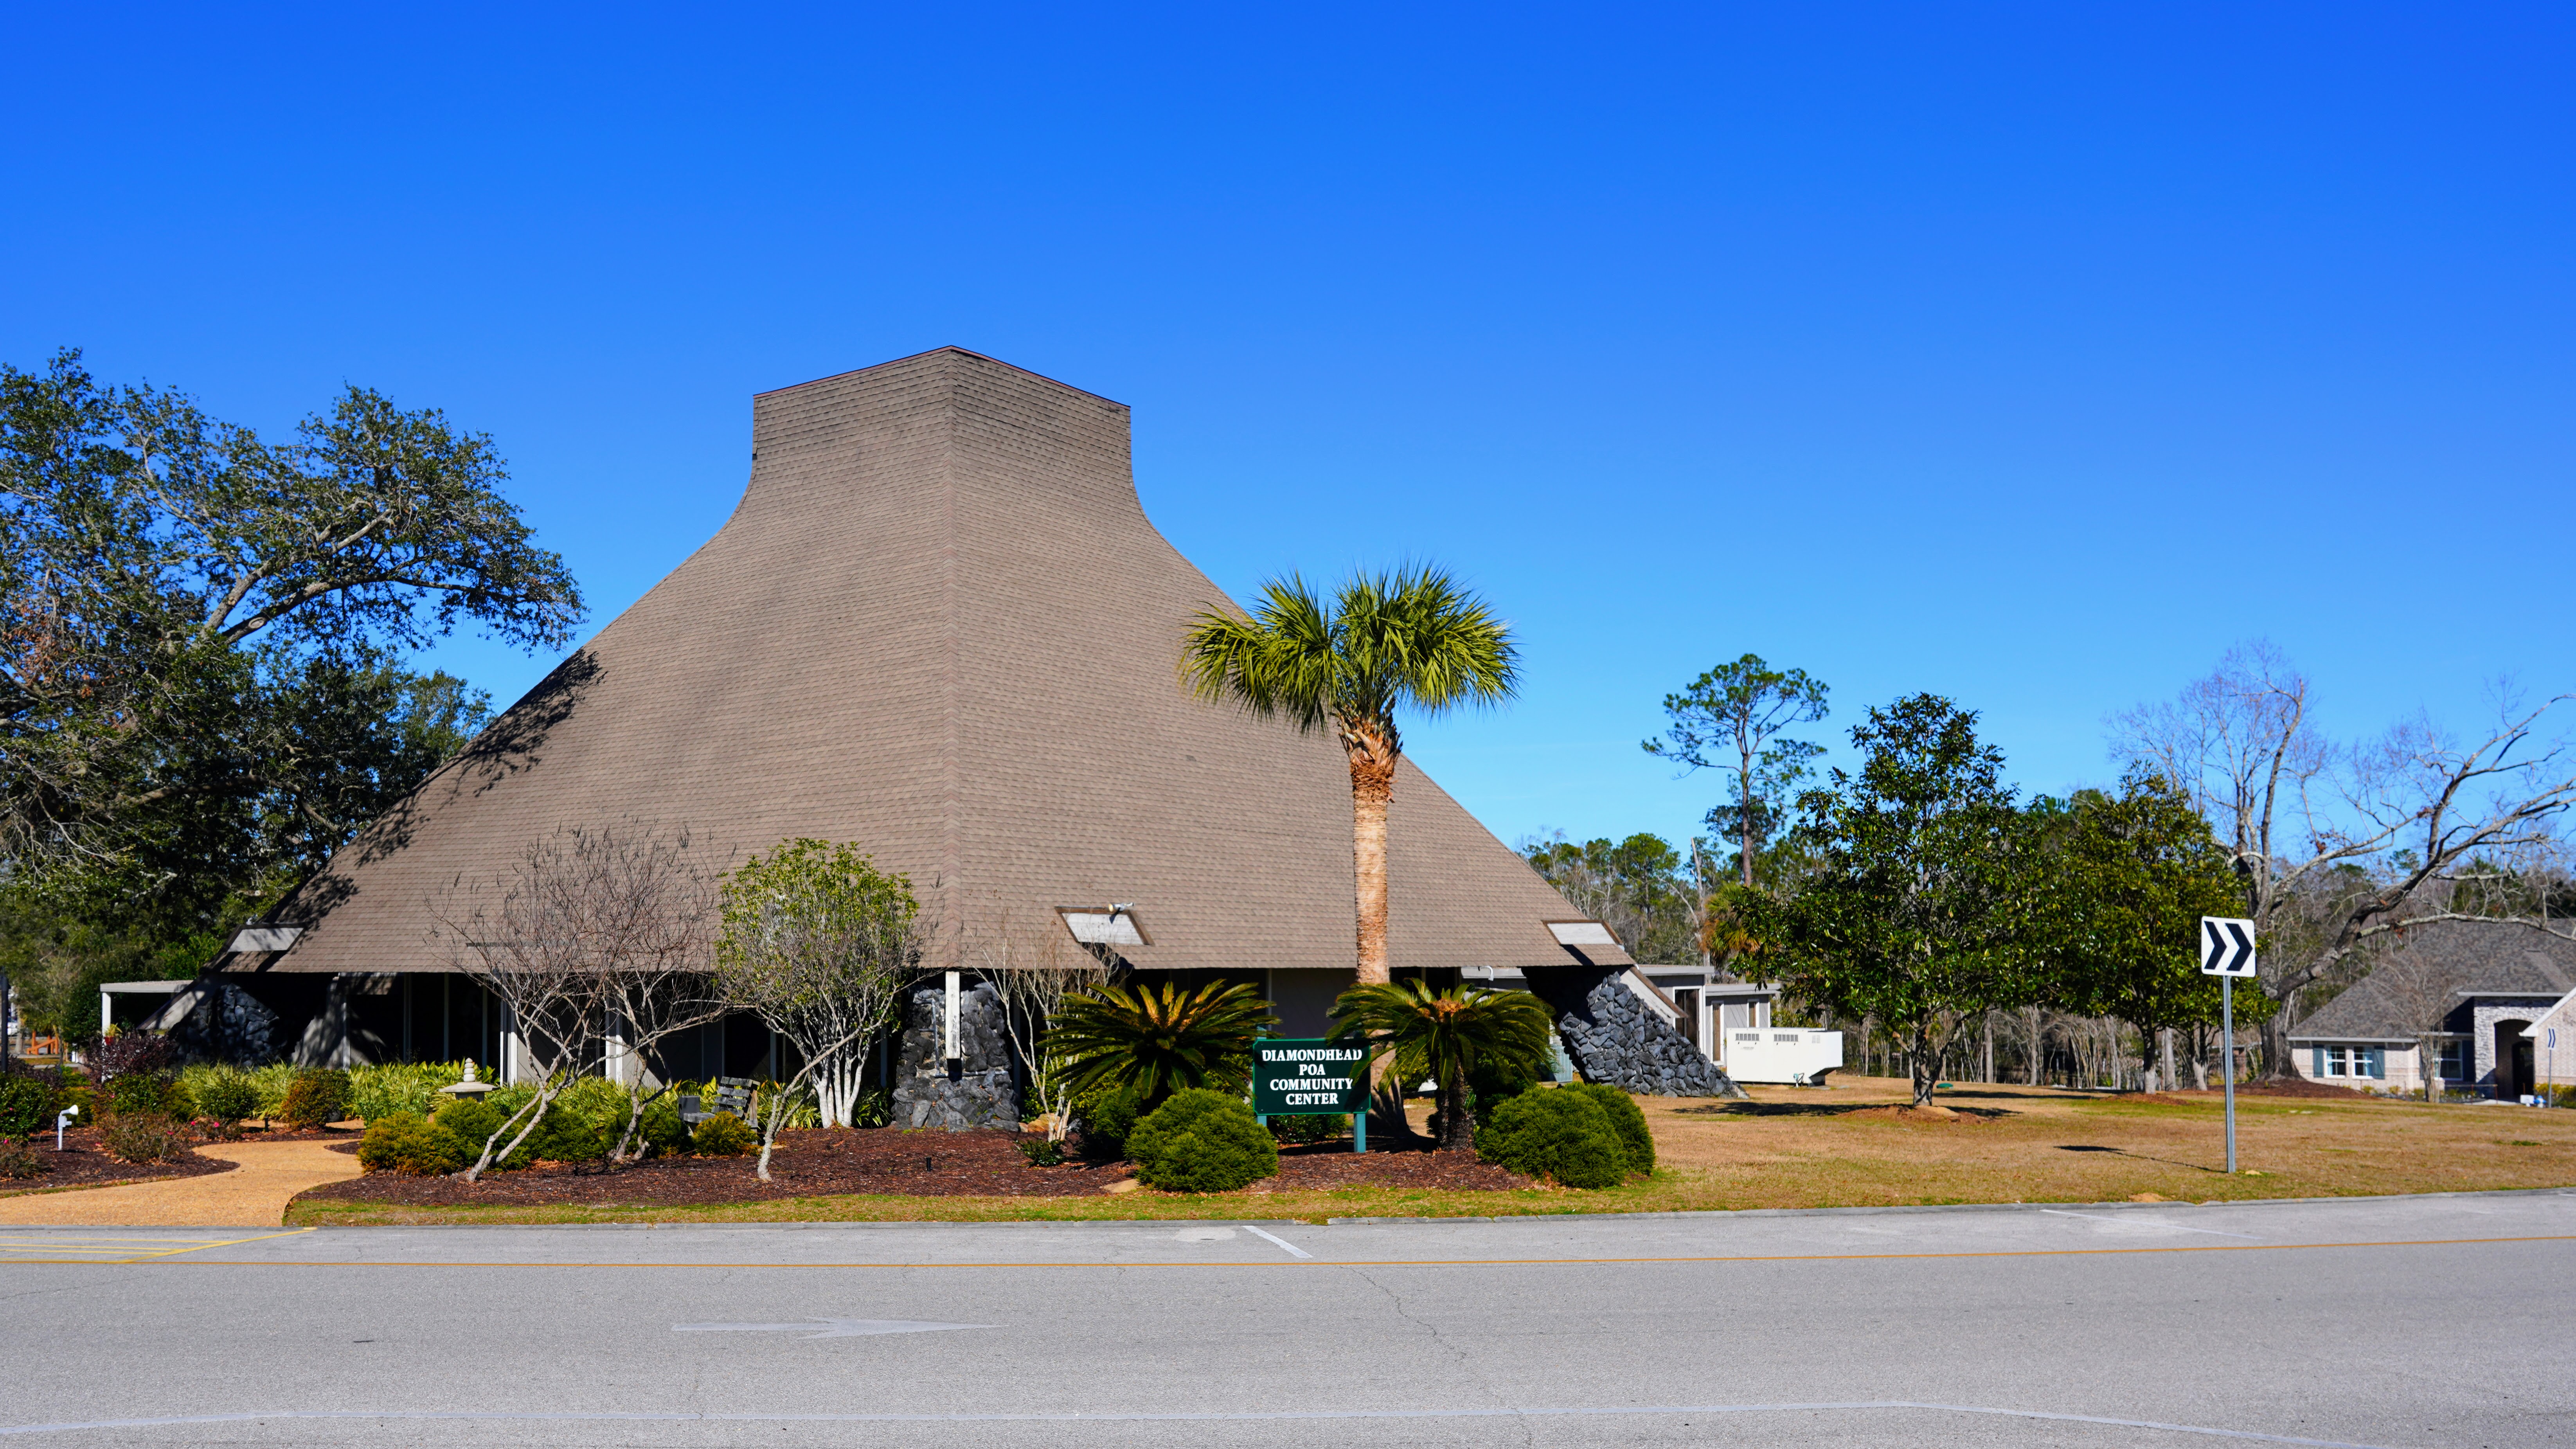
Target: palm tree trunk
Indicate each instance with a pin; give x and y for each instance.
(1372, 786)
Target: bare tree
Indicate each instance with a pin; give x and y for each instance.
(2421, 990)
(2378, 822)
(1034, 965)
(661, 901)
(539, 938)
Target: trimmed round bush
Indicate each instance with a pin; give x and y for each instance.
(472, 1123)
(723, 1135)
(1558, 1134)
(315, 1098)
(19, 1160)
(1201, 1141)
(1104, 1120)
(225, 1097)
(408, 1142)
(1494, 1081)
(142, 1137)
(26, 1106)
(662, 1130)
(1635, 1140)
(564, 1135)
(139, 1092)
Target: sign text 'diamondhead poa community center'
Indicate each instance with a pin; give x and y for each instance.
(1291, 1078)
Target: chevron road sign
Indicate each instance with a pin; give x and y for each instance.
(2226, 947)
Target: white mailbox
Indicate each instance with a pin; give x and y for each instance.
(1792, 1056)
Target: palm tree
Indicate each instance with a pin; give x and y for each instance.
(1413, 637)
(1449, 1032)
(1157, 1044)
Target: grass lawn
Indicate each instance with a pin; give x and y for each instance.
(1856, 1144)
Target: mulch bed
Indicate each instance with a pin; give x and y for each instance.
(831, 1162)
(2274, 1087)
(83, 1163)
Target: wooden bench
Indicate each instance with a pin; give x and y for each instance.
(733, 1098)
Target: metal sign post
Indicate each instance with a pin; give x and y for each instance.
(2227, 952)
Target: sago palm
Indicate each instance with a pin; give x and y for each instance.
(1413, 638)
(1449, 1032)
(1156, 1043)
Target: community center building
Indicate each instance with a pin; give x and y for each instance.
(939, 626)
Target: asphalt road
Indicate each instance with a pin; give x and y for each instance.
(2394, 1322)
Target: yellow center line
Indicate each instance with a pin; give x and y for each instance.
(172, 1247)
(167, 1261)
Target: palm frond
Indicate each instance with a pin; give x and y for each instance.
(1156, 1042)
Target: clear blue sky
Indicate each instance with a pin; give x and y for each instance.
(2030, 355)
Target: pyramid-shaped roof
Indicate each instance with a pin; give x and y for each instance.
(939, 625)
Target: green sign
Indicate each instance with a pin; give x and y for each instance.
(1297, 1078)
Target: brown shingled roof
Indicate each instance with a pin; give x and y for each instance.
(939, 625)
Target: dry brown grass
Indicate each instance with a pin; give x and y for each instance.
(1859, 1144)
(1856, 1144)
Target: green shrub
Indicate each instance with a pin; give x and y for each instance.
(142, 1137)
(412, 1087)
(469, 1120)
(663, 1131)
(874, 1108)
(1105, 1119)
(1636, 1141)
(316, 1098)
(1557, 1134)
(407, 1142)
(1493, 1082)
(27, 1106)
(1201, 1141)
(1315, 1127)
(20, 1160)
(273, 1082)
(140, 1093)
(224, 1096)
(1042, 1151)
(723, 1135)
(568, 1135)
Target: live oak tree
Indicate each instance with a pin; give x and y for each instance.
(1915, 910)
(164, 575)
(1414, 638)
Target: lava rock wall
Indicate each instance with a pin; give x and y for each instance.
(1615, 1040)
(979, 1089)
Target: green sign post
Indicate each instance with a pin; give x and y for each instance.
(1292, 1078)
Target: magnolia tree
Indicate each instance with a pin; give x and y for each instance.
(818, 943)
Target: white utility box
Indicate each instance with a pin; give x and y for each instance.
(1788, 1055)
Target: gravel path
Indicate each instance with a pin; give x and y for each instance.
(253, 1194)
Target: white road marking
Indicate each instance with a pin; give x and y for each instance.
(1293, 1249)
(827, 1327)
(1252, 1416)
(2150, 1223)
